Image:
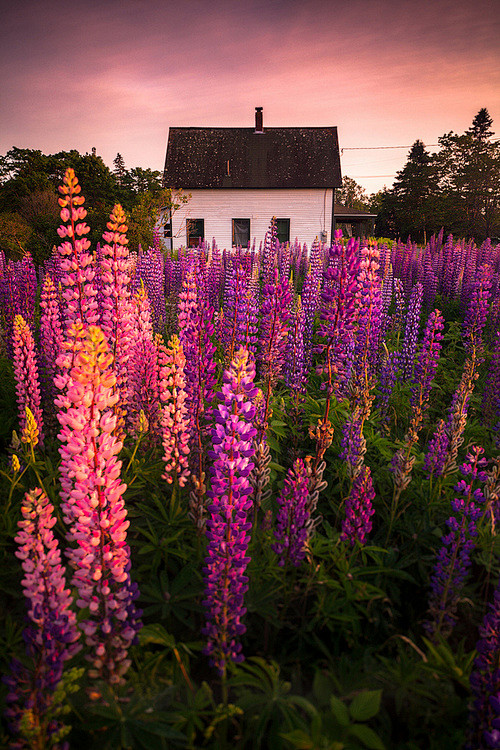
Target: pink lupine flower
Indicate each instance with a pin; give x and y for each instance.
(26, 375)
(175, 417)
(93, 506)
(116, 310)
(76, 263)
(51, 635)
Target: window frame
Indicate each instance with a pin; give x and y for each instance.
(193, 236)
(233, 238)
(280, 234)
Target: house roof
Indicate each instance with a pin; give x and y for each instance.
(244, 158)
(344, 212)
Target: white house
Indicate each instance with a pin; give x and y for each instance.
(239, 178)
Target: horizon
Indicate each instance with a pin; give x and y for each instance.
(117, 75)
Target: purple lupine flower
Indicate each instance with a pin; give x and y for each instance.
(437, 450)
(195, 331)
(296, 369)
(143, 372)
(17, 295)
(150, 269)
(412, 325)
(227, 525)
(233, 319)
(291, 522)
(425, 370)
(26, 375)
(477, 311)
(93, 505)
(269, 253)
(357, 523)
(310, 303)
(484, 719)
(51, 337)
(454, 557)
(51, 635)
(491, 395)
(388, 376)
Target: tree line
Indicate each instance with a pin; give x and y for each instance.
(457, 189)
(29, 209)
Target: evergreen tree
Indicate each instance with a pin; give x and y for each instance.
(469, 178)
(119, 171)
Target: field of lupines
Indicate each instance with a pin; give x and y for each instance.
(252, 498)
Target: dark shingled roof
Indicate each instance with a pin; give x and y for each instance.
(243, 158)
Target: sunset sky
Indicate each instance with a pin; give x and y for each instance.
(116, 74)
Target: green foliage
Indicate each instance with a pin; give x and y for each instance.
(457, 188)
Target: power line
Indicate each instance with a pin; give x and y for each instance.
(378, 148)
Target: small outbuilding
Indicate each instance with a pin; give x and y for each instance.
(239, 178)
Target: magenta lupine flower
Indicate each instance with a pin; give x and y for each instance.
(79, 291)
(26, 375)
(310, 303)
(357, 523)
(93, 506)
(175, 418)
(291, 530)
(337, 316)
(274, 316)
(143, 374)
(366, 348)
(454, 557)
(227, 526)
(484, 720)
(51, 634)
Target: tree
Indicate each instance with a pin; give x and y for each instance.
(413, 192)
(468, 168)
(148, 211)
(351, 195)
(119, 171)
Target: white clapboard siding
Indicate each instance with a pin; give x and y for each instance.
(309, 211)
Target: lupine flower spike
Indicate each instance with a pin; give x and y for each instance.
(94, 509)
(227, 527)
(51, 635)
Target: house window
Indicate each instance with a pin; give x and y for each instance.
(241, 232)
(283, 230)
(195, 230)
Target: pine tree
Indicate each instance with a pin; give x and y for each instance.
(119, 170)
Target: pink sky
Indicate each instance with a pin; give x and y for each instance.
(116, 74)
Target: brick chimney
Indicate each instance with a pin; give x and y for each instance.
(258, 120)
